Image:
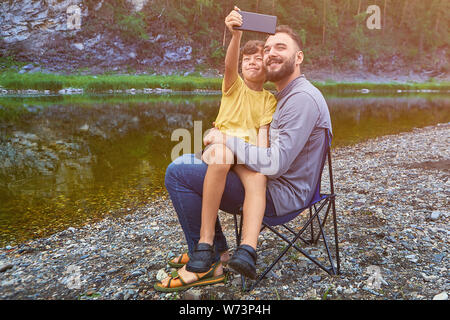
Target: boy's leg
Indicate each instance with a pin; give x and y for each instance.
(219, 159)
(184, 182)
(254, 203)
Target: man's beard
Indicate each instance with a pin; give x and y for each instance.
(286, 70)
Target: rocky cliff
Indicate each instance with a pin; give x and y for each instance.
(64, 36)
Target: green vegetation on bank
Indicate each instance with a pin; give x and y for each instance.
(104, 83)
(338, 87)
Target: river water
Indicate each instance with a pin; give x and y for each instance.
(70, 160)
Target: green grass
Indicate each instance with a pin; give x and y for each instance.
(336, 87)
(103, 83)
(12, 80)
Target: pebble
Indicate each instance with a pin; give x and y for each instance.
(413, 258)
(428, 278)
(391, 239)
(435, 215)
(372, 291)
(161, 275)
(441, 296)
(90, 292)
(438, 257)
(192, 294)
(129, 294)
(5, 267)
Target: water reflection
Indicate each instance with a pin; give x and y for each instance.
(65, 161)
(357, 119)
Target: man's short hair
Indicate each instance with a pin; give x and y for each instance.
(288, 30)
(252, 47)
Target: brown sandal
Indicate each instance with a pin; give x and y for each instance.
(176, 283)
(179, 261)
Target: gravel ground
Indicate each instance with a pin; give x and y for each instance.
(392, 205)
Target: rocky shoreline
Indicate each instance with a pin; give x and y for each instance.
(392, 200)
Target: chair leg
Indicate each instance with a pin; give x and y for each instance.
(312, 227)
(238, 229)
(323, 222)
(331, 205)
(296, 238)
(333, 270)
(267, 270)
(291, 243)
(238, 232)
(336, 240)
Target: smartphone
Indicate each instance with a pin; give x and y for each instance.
(257, 22)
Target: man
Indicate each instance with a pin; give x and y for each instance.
(291, 162)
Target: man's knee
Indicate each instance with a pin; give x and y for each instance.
(171, 174)
(178, 166)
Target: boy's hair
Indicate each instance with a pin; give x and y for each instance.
(252, 47)
(288, 30)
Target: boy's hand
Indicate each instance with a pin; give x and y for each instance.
(215, 136)
(234, 19)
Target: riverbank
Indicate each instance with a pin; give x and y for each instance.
(392, 204)
(50, 83)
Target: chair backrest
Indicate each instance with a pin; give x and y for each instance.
(277, 220)
(326, 152)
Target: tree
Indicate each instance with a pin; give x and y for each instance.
(324, 21)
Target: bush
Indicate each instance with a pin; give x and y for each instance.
(132, 27)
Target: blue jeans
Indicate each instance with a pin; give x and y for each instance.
(184, 182)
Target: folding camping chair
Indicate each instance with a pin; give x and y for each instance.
(319, 203)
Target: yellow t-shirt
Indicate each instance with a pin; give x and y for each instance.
(243, 110)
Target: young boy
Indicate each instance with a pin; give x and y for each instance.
(246, 111)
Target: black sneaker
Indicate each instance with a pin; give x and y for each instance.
(244, 261)
(202, 259)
